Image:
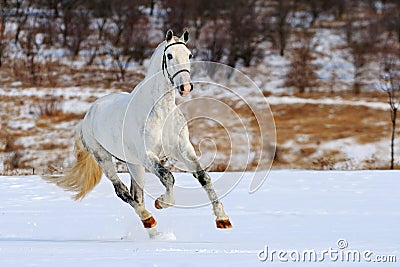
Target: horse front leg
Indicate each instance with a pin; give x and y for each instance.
(189, 158)
(204, 179)
(166, 178)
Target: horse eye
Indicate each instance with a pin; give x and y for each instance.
(190, 56)
(169, 56)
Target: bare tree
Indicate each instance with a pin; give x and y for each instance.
(67, 15)
(212, 40)
(338, 6)
(359, 52)
(362, 43)
(75, 26)
(317, 7)
(152, 5)
(48, 20)
(178, 14)
(281, 24)
(29, 47)
(182, 14)
(128, 39)
(391, 17)
(79, 30)
(246, 32)
(134, 48)
(125, 13)
(314, 8)
(51, 5)
(390, 84)
(101, 11)
(21, 15)
(302, 73)
(120, 59)
(3, 14)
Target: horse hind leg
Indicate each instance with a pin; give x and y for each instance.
(104, 159)
(137, 173)
(122, 192)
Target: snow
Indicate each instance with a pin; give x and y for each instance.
(294, 210)
(76, 106)
(23, 125)
(277, 100)
(359, 154)
(66, 92)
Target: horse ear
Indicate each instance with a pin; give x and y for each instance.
(185, 35)
(169, 35)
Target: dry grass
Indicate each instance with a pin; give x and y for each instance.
(307, 126)
(62, 73)
(322, 123)
(49, 121)
(49, 107)
(311, 125)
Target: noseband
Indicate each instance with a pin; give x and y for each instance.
(164, 64)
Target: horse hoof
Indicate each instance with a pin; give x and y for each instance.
(223, 224)
(157, 204)
(149, 222)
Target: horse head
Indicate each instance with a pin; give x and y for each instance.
(176, 62)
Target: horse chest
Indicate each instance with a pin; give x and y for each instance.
(163, 133)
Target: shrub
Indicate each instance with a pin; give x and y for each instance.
(48, 107)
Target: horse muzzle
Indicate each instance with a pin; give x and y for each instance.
(185, 89)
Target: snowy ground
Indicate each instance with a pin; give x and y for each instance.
(294, 210)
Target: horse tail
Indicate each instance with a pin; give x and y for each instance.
(83, 176)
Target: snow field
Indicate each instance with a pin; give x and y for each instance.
(41, 226)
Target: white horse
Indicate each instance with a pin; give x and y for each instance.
(139, 129)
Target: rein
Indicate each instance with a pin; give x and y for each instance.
(164, 64)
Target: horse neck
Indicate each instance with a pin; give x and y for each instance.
(158, 87)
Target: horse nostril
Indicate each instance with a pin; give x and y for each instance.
(181, 87)
(191, 87)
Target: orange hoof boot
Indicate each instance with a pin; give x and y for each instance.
(149, 223)
(223, 224)
(161, 204)
(157, 204)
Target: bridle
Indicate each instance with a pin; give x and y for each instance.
(164, 64)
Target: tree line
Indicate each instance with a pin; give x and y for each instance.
(232, 32)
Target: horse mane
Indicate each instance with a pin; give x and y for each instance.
(155, 60)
